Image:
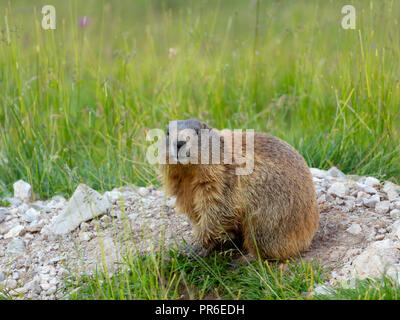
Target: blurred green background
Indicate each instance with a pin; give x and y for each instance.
(76, 102)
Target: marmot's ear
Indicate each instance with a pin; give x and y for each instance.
(204, 126)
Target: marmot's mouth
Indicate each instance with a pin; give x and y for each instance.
(180, 158)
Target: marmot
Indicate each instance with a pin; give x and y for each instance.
(272, 211)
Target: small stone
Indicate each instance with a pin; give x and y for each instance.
(33, 286)
(396, 229)
(84, 226)
(322, 289)
(3, 213)
(30, 215)
(34, 227)
(22, 191)
(392, 191)
(20, 291)
(338, 189)
(84, 236)
(133, 216)
(379, 237)
(11, 284)
(45, 286)
(15, 202)
(2, 276)
(372, 182)
(365, 188)
(171, 202)
(362, 195)
(350, 204)
(318, 173)
(14, 232)
(396, 205)
(113, 196)
(395, 213)
(16, 247)
(4, 228)
(336, 173)
(354, 229)
(371, 202)
(143, 191)
(382, 207)
(22, 208)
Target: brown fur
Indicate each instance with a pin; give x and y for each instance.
(272, 211)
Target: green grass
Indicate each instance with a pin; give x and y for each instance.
(75, 103)
(168, 275)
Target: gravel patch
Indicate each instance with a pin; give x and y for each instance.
(43, 241)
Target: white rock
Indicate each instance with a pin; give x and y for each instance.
(377, 259)
(3, 213)
(392, 191)
(22, 208)
(84, 236)
(30, 215)
(350, 204)
(336, 173)
(84, 205)
(56, 202)
(354, 229)
(114, 195)
(22, 191)
(338, 189)
(372, 201)
(143, 191)
(20, 290)
(35, 226)
(322, 289)
(396, 229)
(365, 188)
(171, 202)
(395, 213)
(4, 228)
(45, 286)
(382, 207)
(396, 205)
(14, 232)
(318, 173)
(361, 195)
(13, 201)
(16, 247)
(11, 284)
(133, 216)
(372, 182)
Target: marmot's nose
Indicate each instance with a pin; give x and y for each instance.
(180, 144)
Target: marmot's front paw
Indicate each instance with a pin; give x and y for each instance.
(195, 250)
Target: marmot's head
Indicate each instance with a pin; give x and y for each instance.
(192, 142)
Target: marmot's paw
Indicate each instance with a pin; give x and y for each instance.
(241, 261)
(195, 251)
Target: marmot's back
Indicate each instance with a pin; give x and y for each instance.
(279, 199)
